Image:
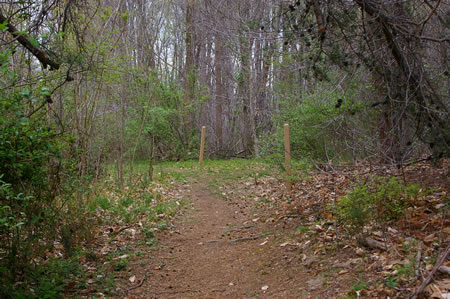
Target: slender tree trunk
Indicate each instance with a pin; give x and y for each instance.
(190, 74)
(122, 142)
(220, 89)
(244, 85)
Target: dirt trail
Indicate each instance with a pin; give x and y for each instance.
(264, 242)
(216, 252)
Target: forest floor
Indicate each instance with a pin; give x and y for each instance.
(221, 249)
(239, 233)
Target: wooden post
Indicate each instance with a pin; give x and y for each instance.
(202, 145)
(287, 155)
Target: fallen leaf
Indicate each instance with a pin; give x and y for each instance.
(429, 238)
(434, 290)
(378, 234)
(104, 250)
(392, 230)
(359, 251)
(132, 279)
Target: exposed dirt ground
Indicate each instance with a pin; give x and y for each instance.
(220, 249)
(255, 240)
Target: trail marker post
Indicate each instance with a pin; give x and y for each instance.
(202, 145)
(287, 155)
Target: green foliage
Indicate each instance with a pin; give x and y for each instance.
(303, 229)
(163, 121)
(31, 188)
(99, 202)
(312, 119)
(27, 145)
(46, 281)
(403, 273)
(377, 202)
(327, 123)
(361, 285)
(307, 122)
(121, 265)
(4, 26)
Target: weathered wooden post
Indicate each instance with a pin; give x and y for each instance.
(202, 145)
(287, 155)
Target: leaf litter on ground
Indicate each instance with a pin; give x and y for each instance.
(129, 219)
(394, 259)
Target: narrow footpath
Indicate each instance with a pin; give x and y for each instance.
(219, 250)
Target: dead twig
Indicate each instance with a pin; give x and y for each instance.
(213, 241)
(177, 292)
(374, 243)
(121, 230)
(113, 235)
(418, 258)
(424, 284)
(237, 229)
(250, 238)
(140, 284)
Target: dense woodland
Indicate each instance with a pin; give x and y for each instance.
(87, 85)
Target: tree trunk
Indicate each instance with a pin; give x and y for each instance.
(244, 84)
(190, 73)
(220, 89)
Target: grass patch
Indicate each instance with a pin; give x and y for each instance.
(303, 229)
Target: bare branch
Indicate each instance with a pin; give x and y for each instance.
(25, 41)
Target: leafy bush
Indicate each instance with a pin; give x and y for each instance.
(307, 120)
(378, 202)
(44, 281)
(164, 122)
(326, 122)
(27, 145)
(30, 182)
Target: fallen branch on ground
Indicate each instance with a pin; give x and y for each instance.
(177, 292)
(250, 238)
(237, 229)
(213, 241)
(138, 285)
(438, 264)
(373, 244)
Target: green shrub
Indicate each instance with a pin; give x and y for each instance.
(45, 281)
(307, 120)
(36, 184)
(378, 202)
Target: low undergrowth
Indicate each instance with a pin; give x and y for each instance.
(103, 228)
(383, 229)
(378, 201)
(107, 226)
